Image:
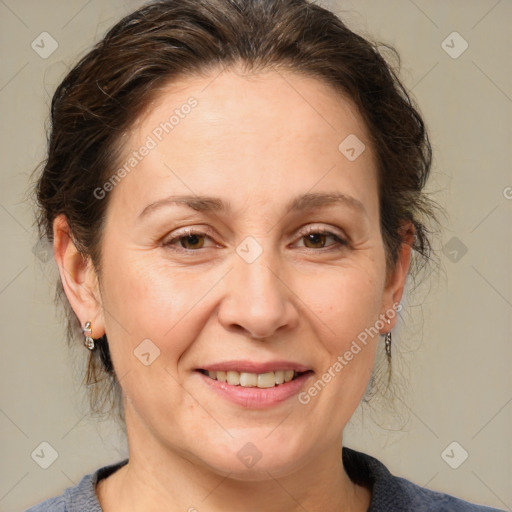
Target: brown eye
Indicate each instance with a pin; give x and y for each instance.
(194, 241)
(316, 240)
(189, 240)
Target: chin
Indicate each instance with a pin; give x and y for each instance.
(254, 457)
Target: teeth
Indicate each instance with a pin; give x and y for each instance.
(288, 375)
(248, 380)
(253, 380)
(233, 378)
(266, 380)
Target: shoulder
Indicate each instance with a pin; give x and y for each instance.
(56, 504)
(395, 494)
(80, 497)
(421, 499)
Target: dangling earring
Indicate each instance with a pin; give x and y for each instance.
(87, 330)
(387, 342)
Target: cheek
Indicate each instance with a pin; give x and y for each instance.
(346, 301)
(150, 321)
(344, 306)
(344, 309)
(144, 299)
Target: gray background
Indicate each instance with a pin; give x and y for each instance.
(455, 336)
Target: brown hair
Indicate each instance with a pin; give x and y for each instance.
(112, 85)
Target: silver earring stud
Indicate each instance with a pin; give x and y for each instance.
(87, 330)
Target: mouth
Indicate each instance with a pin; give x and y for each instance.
(253, 385)
(264, 380)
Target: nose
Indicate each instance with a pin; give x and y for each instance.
(258, 301)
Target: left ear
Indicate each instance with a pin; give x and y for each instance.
(396, 281)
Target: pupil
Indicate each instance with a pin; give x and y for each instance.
(316, 238)
(192, 239)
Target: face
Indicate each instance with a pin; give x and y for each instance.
(273, 262)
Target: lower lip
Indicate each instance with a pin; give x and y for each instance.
(257, 398)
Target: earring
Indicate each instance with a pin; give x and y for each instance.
(87, 330)
(387, 342)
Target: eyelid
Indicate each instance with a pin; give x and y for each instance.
(343, 240)
(188, 231)
(302, 232)
(312, 228)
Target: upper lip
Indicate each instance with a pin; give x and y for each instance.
(252, 367)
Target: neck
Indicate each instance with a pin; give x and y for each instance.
(172, 481)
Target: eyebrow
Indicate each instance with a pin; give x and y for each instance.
(304, 202)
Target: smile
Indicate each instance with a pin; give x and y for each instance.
(253, 380)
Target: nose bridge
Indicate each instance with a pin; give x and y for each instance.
(257, 271)
(256, 298)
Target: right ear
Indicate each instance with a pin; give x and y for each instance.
(79, 278)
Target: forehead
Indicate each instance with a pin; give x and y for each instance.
(277, 99)
(271, 132)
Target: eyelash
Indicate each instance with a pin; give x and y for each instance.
(340, 242)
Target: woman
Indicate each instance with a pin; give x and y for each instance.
(233, 190)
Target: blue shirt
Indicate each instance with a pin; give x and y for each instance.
(389, 493)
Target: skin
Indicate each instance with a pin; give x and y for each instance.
(255, 142)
